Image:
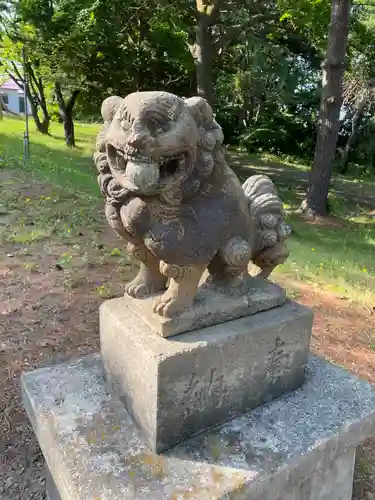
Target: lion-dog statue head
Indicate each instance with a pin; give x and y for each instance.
(170, 193)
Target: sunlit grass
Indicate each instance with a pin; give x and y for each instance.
(50, 159)
(335, 259)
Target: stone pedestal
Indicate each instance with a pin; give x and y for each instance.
(52, 493)
(234, 410)
(180, 386)
(214, 305)
(300, 446)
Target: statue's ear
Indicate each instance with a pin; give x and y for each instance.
(110, 107)
(200, 110)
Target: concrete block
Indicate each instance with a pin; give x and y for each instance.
(52, 493)
(177, 387)
(333, 482)
(298, 447)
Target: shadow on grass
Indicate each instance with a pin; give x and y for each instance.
(359, 238)
(291, 183)
(85, 139)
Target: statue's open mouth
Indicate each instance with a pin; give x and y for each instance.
(155, 172)
(168, 165)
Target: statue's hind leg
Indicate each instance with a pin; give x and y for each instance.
(269, 258)
(182, 289)
(230, 265)
(149, 279)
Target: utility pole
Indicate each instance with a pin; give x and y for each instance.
(26, 144)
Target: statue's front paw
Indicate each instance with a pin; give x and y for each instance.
(169, 307)
(146, 283)
(138, 290)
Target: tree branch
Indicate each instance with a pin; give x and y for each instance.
(31, 74)
(72, 100)
(59, 98)
(37, 91)
(17, 81)
(19, 76)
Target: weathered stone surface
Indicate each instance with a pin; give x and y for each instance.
(52, 493)
(177, 387)
(213, 306)
(170, 193)
(298, 447)
(334, 481)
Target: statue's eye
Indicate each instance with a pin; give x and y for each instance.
(126, 121)
(161, 127)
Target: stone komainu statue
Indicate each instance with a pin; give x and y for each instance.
(170, 193)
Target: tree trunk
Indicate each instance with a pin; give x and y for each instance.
(202, 49)
(44, 123)
(37, 87)
(204, 61)
(35, 96)
(329, 114)
(357, 118)
(69, 130)
(66, 113)
(41, 126)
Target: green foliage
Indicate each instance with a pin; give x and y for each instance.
(266, 61)
(103, 48)
(310, 17)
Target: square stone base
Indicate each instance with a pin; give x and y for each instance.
(298, 447)
(177, 387)
(213, 306)
(52, 493)
(335, 482)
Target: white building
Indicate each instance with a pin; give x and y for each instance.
(13, 97)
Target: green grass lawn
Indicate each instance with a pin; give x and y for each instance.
(50, 159)
(338, 259)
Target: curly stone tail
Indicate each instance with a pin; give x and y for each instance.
(266, 209)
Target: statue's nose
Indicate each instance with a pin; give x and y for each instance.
(137, 139)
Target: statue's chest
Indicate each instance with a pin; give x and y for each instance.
(186, 234)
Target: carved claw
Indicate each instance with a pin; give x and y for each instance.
(181, 291)
(169, 307)
(140, 290)
(146, 283)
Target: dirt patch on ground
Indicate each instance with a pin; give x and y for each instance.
(342, 333)
(50, 292)
(51, 286)
(45, 317)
